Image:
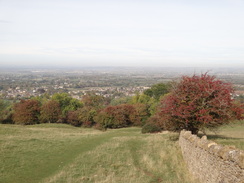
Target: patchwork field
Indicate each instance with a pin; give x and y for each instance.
(61, 153)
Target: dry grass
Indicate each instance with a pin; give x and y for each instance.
(61, 153)
(133, 159)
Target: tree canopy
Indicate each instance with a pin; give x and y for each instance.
(50, 112)
(157, 90)
(199, 102)
(66, 102)
(26, 112)
(119, 116)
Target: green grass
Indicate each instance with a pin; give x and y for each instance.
(61, 153)
(232, 134)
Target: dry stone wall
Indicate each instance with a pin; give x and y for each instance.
(210, 162)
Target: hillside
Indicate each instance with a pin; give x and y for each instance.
(62, 153)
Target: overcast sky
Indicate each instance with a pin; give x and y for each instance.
(155, 33)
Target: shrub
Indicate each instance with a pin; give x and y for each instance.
(86, 115)
(50, 112)
(82, 117)
(72, 118)
(162, 123)
(98, 126)
(142, 113)
(26, 112)
(150, 128)
(94, 101)
(118, 116)
(87, 124)
(8, 119)
(6, 113)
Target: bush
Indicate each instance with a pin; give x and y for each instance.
(8, 119)
(86, 116)
(26, 112)
(6, 112)
(199, 102)
(50, 112)
(150, 128)
(98, 126)
(119, 116)
(72, 118)
(87, 124)
(162, 123)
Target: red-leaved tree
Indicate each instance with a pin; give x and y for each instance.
(119, 116)
(26, 112)
(72, 118)
(50, 112)
(198, 102)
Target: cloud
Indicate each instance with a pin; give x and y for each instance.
(5, 21)
(173, 33)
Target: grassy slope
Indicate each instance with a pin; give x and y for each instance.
(61, 153)
(232, 134)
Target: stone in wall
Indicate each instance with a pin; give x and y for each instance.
(210, 162)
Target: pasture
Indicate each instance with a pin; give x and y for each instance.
(62, 153)
(231, 134)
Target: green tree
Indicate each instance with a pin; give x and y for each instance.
(43, 98)
(2, 108)
(143, 113)
(95, 101)
(66, 102)
(86, 115)
(5, 111)
(140, 98)
(149, 102)
(120, 100)
(157, 90)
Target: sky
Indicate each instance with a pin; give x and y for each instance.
(131, 33)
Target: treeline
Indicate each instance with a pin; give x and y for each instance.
(193, 103)
(92, 111)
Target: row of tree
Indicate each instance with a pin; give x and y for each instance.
(194, 103)
(91, 110)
